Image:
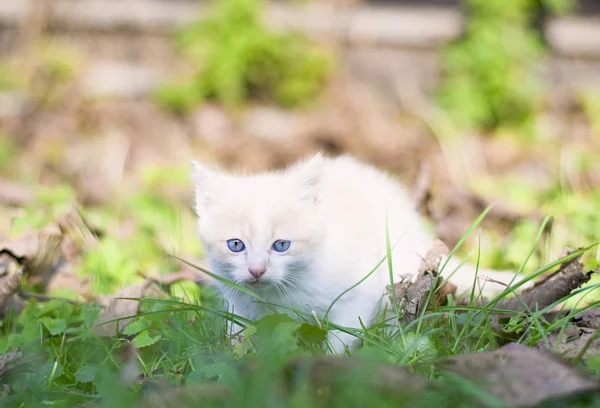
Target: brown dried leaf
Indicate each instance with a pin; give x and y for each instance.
(38, 251)
(15, 194)
(65, 278)
(77, 233)
(162, 394)
(589, 318)
(186, 273)
(390, 380)
(130, 370)
(115, 308)
(49, 255)
(325, 371)
(521, 376)
(579, 339)
(573, 342)
(10, 278)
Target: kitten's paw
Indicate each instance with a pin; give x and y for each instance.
(237, 339)
(341, 342)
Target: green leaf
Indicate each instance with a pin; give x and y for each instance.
(136, 327)
(30, 313)
(32, 331)
(416, 345)
(54, 326)
(90, 313)
(51, 369)
(284, 337)
(311, 333)
(208, 371)
(86, 373)
(58, 308)
(144, 340)
(266, 325)
(240, 349)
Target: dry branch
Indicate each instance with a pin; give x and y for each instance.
(412, 294)
(552, 288)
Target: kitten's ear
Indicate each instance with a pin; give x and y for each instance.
(310, 175)
(203, 178)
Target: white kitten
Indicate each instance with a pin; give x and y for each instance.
(300, 237)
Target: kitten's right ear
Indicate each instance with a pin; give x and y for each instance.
(203, 178)
(310, 173)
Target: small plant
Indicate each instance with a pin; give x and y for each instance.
(491, 77)
(239, 58)
(590, 103)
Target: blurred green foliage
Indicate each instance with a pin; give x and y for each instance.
(590, 102)
(575, 223)
(491, 76)
(239, 58)
(44, 75)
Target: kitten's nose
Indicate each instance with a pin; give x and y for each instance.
(257, 269)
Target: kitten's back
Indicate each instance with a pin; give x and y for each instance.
(355, 199)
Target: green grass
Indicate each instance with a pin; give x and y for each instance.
(184, 341)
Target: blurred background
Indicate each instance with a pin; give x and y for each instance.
(470, 103)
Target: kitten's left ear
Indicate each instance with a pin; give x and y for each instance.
(310, 174)
(203, 178)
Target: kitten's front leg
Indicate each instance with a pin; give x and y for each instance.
(339, 340)
(347, 314)
(234, 330)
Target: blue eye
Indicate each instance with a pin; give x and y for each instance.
(281, 245)
(236, 245)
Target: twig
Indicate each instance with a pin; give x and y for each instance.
(46, 298)
(570, 276)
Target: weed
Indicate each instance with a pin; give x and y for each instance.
(183, 339)
(240, 59)
(491, 74)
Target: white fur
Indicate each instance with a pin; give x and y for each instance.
(334, 213)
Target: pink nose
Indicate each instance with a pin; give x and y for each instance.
(257, 270)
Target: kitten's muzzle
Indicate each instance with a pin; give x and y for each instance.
(257, 270)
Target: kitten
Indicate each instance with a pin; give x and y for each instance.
(300, 237)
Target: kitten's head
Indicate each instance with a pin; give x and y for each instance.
(260, 229)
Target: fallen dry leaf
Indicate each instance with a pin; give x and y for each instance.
(589, 318)
(521, 376)
(14, 194)
(159, 394)
(325, 371)
(10, 278)
(579, 339)
(38, 251)
(391, 380)
(572, 342)
(77, 235)
(186, 273)
(50, 255)
(130, 370)
(115, 308)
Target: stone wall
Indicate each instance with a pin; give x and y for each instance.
(391, 47)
